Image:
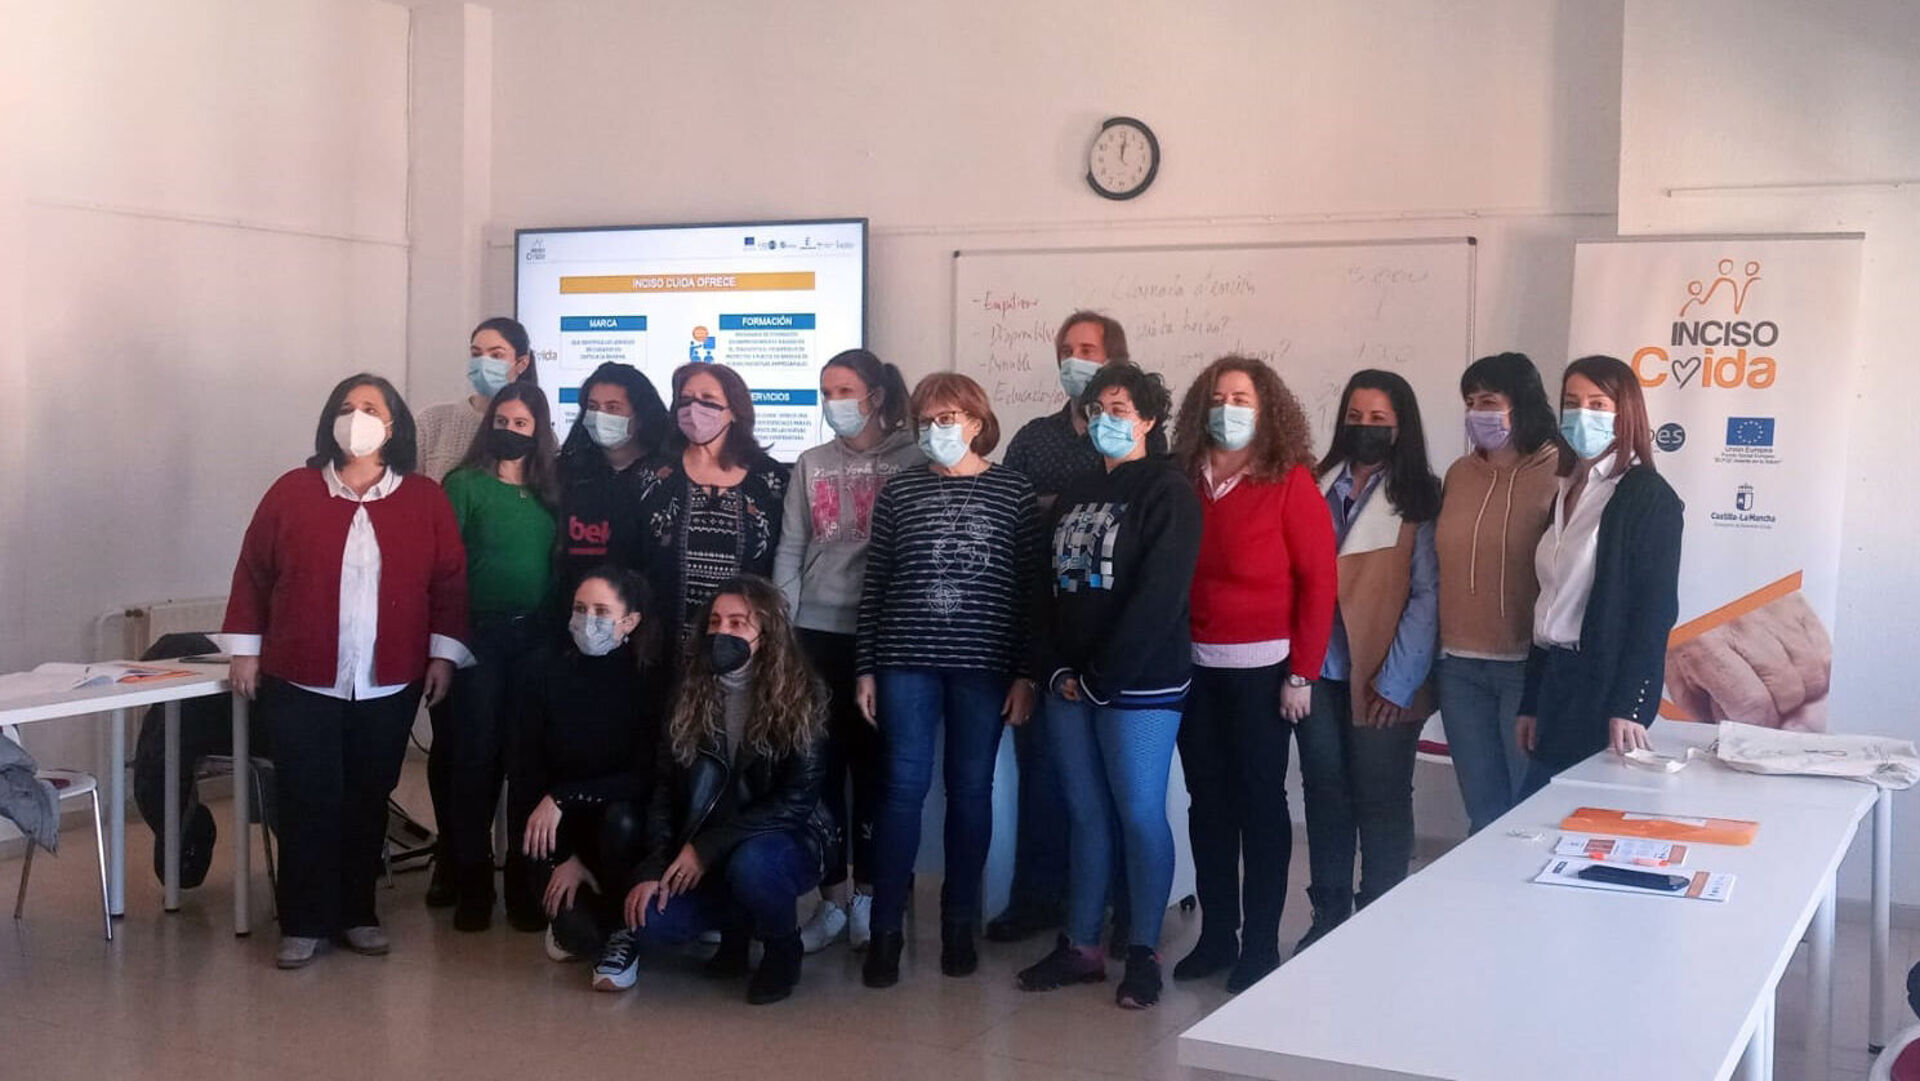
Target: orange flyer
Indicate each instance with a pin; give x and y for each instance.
(1710, 831)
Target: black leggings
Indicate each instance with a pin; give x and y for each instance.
(853, 760)
(610, 838)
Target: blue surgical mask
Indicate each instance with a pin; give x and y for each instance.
(605, 429)
(488, 374)
(945, 444)
(845, 418)
(596, 636)
(1075, 374)
(1588, 431)
(1112, 437)
(1231, 426)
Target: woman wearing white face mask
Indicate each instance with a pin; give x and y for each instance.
(348, 605)
(942, 642)
(713, 505)
(1609, 568)
(499, 353)
(590, 716)
(603, 465)
(1495, 504)
(1263, 596)
(819, 567)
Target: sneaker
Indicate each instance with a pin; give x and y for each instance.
(557, 952)
(860, 920)
(299, 952)
(709, 938)
(824, 928)
(1140, 988)
(1064, 966)
(370, 940)
(619, 962)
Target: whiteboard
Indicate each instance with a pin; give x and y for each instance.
(1317, 312)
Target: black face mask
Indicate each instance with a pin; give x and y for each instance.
(1369, 444)
(507, 445)
(728, 652)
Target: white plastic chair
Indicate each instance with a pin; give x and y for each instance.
(67, 784)
(1901, 1059)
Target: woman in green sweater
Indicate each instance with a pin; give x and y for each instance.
(503, 496)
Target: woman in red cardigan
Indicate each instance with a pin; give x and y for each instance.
(349, 604)
(1262, 602)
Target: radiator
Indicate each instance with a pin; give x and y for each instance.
(125, 633)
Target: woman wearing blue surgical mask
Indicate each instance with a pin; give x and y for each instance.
(820, 565)
(1114, 653)
(498, 353)
(1498, 498)
(603, 464)
(942, 644)
(589, 709)
(1263, 597)
(1609, 568)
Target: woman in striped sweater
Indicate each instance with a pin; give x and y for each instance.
(943, 615)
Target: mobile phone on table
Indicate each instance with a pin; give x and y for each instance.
(1626, 876)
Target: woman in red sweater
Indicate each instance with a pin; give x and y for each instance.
(349, 604)
(1263, 600)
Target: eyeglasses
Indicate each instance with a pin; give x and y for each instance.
(946, 418)
(1094, 410)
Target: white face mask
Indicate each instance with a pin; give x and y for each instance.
(605, 429)
(359, 434)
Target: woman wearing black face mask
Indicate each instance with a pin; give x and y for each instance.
(736, 829)
(503, 496)
(1358, 739)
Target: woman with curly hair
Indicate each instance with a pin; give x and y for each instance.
(736, 831)
(1263, 597)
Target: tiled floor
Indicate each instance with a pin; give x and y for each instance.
(177, 997)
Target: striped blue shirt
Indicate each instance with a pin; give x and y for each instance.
(950, 567)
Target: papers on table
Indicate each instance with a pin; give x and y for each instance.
(1565, 871)
(1716, 831)
(1630, 851)
(58, 678)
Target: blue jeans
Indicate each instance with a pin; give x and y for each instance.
(1114, 762)
(756, 889)
(914, 704)
(1479, 700)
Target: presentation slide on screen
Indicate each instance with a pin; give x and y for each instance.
(770, 300)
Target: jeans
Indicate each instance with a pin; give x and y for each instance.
(335, 762)
(853, 760)
(1233, 748)
(1040, 840)
(1479, 700)
(1357, 781)
(477, 749)
(609, 839)
(1115, 762)
(914, 703)
(756, 889)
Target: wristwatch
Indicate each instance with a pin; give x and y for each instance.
(1294, 679)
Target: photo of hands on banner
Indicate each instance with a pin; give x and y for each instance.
(1771, 666)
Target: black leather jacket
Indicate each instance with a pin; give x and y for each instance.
(769, 795)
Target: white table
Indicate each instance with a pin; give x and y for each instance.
(1470, 971)
(117, 699)
(1710, 775)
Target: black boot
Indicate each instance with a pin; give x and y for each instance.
(730, 960)
(882, 967)
(1330, 909)
(524, 908)
(957, 955)
(779, 970)
(473, 897)
(1212, 954)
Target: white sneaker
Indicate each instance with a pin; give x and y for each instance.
(298, 952)
(619, 962)
(824, 928)
(557, 952)
(860, 920)
(709, 938)
(369, 940)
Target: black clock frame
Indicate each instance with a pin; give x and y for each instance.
(1153, 170)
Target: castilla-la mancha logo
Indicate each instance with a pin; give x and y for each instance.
(1713, 334)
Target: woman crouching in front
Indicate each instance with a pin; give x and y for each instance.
(736, 830)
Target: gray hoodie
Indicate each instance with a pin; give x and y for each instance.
(823, 537)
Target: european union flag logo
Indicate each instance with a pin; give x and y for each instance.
(1749, 431)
